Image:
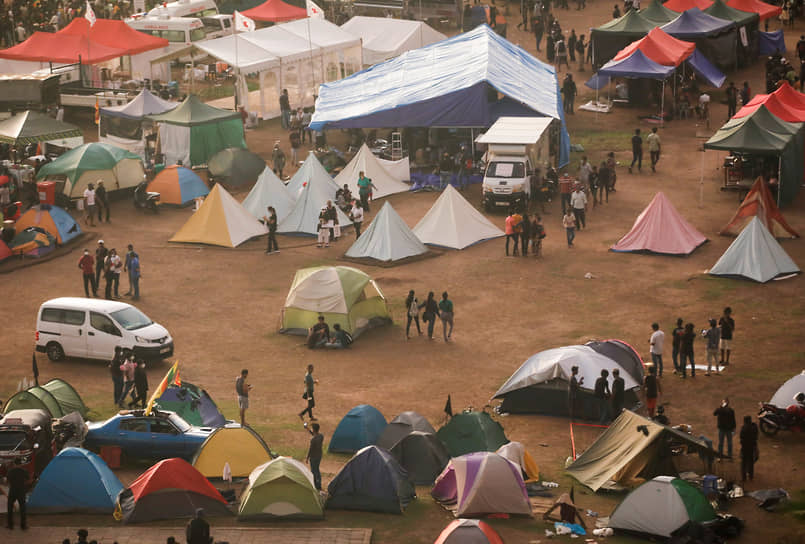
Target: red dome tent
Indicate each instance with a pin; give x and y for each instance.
(764, 10)
(62, 48)
(115, 34)
(275, 11)
(660, 47)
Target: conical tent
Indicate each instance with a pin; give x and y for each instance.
(401, 426)
(312, 172)
(470, 432)
(311, 190)
(145, 103)
(454, 223)
(53, 219)
(482, 483)
(341, 294)
(281, 488)
(365, 161)
(756, 255)
(387, 239)
(661, 506)
(784, 397)
(241, 447)
(193, 404)
(269, 191)
(66, 395)
(423, 455)
(517, 454)
(236, 166)
(468, 531)
(361, 427)
(178, 185)
(76, 480)
(372, 481)
(759, 203)
(660, 229)
(171, 489)
(220, 221)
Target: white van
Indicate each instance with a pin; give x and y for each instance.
(92, 328)
(186, 8)
(179, 31)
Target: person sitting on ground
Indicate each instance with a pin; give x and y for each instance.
(340, 338)
(661, 418)
(319, 334)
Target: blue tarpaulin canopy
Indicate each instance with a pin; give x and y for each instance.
(636, 65)
(770, 43)
(446, 84)
(694, 23)
(705, 69)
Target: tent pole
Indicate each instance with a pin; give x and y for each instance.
(779, 179)
(701, 179)
(662, 105)
(237, 65)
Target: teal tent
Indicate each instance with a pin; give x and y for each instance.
(361, 427)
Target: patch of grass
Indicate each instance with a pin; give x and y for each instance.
(718, 288)
(593, 140)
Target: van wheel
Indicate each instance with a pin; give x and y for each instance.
(54, 352)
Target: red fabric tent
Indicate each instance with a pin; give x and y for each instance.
(789, 96)
(764, 10)
(760, 203)
(275, 11)
(115, 34)
(660, 47)
(776, 106)
(173, 474)
(5, 252)
(63, 48)
(684, 5)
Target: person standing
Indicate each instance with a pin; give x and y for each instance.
(727, 325)
(748, 439)
(112, 267)
(116, 373)
(585, 170)
(565, 190)
(569, 222)
(539, 29)
(651, 385)
(271, 222)
(603, 182)
(364, 188)
(726, 426)
(127, 368)
(746, 93)
(560, 52)
(296, 142)
(310, 386)
(580, 48)
(571, 46)
(430, 313)
(676, 343)
(511, 232)
(637, 151)
(578, 201)
(713, 335)
(602, 393)
(87, 265)
(242, 389)
(198, 530)
(446, 313)
(732, 99)
(613, 173)
(655, 347)
(525, 234)
(356, 214)
(412, 307)
(130, 254)
(285, 109)
(618, 393)
(686, 351)
(278, 159)
(100, 260)
(569, 91)
(102, 201)
(89, 204)
(573, 391)
(117, 268)
(135, 273)
(18, 479)
(314, 453)
(654, 145)
(140, 386)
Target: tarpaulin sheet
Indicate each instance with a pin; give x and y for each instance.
(706, 70)
(770, 43)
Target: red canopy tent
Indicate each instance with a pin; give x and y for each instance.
(684, 5)
(778, 108)
(788, 95)
(660, 47)
(275, 11)
(764, 10)
(63, 48)
(115, 34)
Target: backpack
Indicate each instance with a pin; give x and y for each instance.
(347, 339)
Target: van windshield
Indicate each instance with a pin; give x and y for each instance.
(131, 318)
(505, 169)
(13, 440)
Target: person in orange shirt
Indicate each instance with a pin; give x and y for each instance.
(513, 228)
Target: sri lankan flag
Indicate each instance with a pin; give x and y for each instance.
(171, 378)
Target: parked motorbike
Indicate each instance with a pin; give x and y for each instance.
(773, 419)
(145, 199)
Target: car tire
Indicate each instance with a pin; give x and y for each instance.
(54, 351)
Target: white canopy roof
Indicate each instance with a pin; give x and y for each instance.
(269, 191)
(246, 55)
(321, 32)
(365, 161)
(453, 222)
(784, 397)
(515, 130)
(388, 238)
(385, 38)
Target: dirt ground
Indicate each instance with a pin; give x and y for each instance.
(222, 307)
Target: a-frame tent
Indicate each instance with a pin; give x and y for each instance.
(660, 229)
(454, 223)
(313, 193)
(311, 171)
(220, 221)
(387, 239)
(269, 191)
(756, 255)
(365, 161)
(759, 203)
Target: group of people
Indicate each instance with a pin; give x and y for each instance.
(129, 377)
(525, 231)
(725, 421)
(430, 310)
(654, 148)
(96, 201)
(111, 265)
(718, 336)
(320, 336)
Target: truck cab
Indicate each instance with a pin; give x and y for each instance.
(507, 180)
(26, 439)
(217, 25)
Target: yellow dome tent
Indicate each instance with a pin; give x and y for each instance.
(241, 447)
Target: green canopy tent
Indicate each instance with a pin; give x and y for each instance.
(67, 397)
(613, 36)
(30, 127)
(193, 132)
(34, 398)
(658, 14)
(469, 432)
(742, 19)
(89, 163)
(762, 134)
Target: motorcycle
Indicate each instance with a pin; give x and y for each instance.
(773, 419)
(145, 199)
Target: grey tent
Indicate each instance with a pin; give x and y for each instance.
(269, 191)
(784, 397)
(401, 426)
(388, 239)
(624, 354)
(423, 455)
(632, 449)
(755, 255)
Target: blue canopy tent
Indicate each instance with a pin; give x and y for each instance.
(770, 43)
(705, 69)
(715, 38)
(638, 65)
(446, 84)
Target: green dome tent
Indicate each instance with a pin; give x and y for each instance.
(67, 397)
(469, 432)
(35, 398)
(281, 488)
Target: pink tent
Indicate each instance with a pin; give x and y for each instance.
(660, 229)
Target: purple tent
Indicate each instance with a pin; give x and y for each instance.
(714, 37)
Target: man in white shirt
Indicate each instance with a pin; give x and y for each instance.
(578, 201)
(656, 342)
(585, 169)
(356, 214)
(89, 204)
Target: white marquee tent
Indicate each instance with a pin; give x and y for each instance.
(365, 161)
(268, 190)
(387, 239)
(384, 38)
(454, 223)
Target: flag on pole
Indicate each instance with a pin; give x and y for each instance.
(313, 10)
(243, 23)
(89, 15)
(35, 368)
(171, 378)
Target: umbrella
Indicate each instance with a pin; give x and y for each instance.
(237, 166)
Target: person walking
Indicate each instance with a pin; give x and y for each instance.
(100, 259)
(565, 191)
(569, 91)
(732, 97)
(726, 426)
(686, 351)
(446, 313)
(560, 54)
(539, 29)
(356, 214)
(271, 222)
(713, 335)
(727, 325)
(18, 480)
(430, 313)
(310, 386)
(412, 311)
(654, 146)
(618, 393)
(573, 391)
(676, 343)
(651, 385)
(242, 389)
(569, 222)
(116, 373)
(749, 452)
(637, 151)
(602, 394)
(278, 159)
(578, 201)
(364, 188)
(198, 530)
(140, 386)
(87, 265)
(89, 204)
(285, 109)
(127, 368)
(130, 254)
(102, 201)
(511, 232)
(656, 342)
(603, 182)
(296, 142)
(314, 453)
